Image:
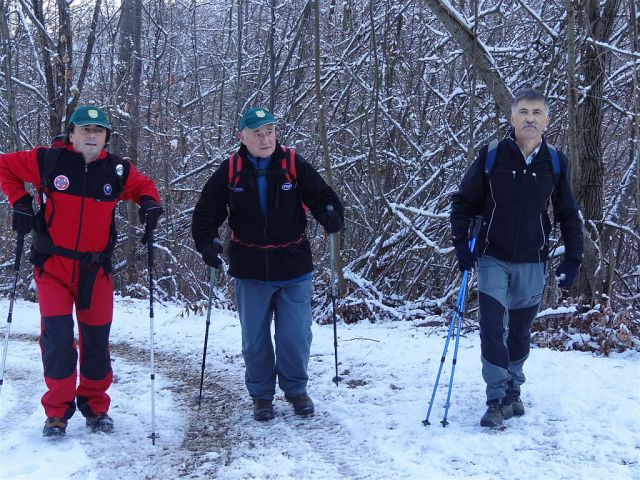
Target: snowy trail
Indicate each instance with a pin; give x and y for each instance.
(582, 418)
(81, 454)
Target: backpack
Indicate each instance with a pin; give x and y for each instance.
(287, 164)
(492, 151)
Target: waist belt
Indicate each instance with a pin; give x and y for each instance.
(268, 246)
(90, 263)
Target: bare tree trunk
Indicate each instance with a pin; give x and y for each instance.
(475, 54)
(64, 65)
(598, 25)
(471, 153)
(128, 101)
(239, 66)
(12, 119)
(323, 139)
(47, 46)
(91, 39)
(571, 92)
(634, 153)
(272, 57)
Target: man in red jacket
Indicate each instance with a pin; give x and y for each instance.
(79, 186)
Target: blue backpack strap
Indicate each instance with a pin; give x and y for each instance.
(490, 161)
(555, 162)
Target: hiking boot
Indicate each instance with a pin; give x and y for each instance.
(507, 409)
(263, 410)
(100, 422)
(54, 427)
(513, 397)
(302, 404)
(493, 417)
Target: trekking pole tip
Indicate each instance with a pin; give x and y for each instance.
(153, 437)
(444, 422)
(336, 380)
(426, 422)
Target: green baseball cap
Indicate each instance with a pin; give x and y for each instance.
(90, 115)
(255, 118)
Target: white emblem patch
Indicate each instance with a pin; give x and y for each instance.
(286, 186)
(107, 189)
(61, 182)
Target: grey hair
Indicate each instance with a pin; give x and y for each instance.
(529, 94)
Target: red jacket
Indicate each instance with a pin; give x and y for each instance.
(81, 198)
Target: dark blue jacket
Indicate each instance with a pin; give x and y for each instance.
(514, 204)
(270, 246)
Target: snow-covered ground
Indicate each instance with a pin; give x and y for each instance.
(582, 419)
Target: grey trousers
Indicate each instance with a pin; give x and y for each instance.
(509, 298)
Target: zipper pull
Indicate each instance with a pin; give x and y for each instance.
(514, 174)
(534, 176)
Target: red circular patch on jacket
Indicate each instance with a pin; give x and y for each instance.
(61, 182)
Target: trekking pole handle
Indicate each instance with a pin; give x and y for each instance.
(19, 248)
(476, 225)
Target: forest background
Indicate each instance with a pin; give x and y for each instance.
(390, 101)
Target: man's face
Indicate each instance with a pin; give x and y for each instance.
(88, 140)
(260, 142)
(529, 119)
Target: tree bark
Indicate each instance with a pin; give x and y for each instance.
(127, 115)
(325, 144)
(475, 53)
(14, 142)
(598, 25)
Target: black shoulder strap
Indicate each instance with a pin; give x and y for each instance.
(47, 159)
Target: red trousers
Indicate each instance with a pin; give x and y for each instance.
(57, 295)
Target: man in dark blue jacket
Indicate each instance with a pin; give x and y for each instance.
(513, 196)
(266, 189)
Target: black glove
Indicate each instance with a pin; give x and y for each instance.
(566, 273)
(211, 253)
(23, 215)
(149, 212)
(331, 220)
(466, 258)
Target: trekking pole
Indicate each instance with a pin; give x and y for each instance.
(212, 281)
(457, 315)
(16, 267)
(333, 246)
(149, 236)
(477, 223)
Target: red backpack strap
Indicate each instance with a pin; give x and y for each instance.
(235, 168)
(288, 165)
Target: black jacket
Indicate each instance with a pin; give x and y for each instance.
(271, 248)
(514, 203)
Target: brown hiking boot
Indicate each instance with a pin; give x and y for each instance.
(54, 427)
(100, 422)
(302, 404)
(263, 410)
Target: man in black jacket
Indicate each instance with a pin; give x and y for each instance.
(513, 195)
(266, 189)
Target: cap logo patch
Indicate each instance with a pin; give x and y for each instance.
(286, 186)
(93, 113)
(107, 189)
(61, 182)
(260, 114)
